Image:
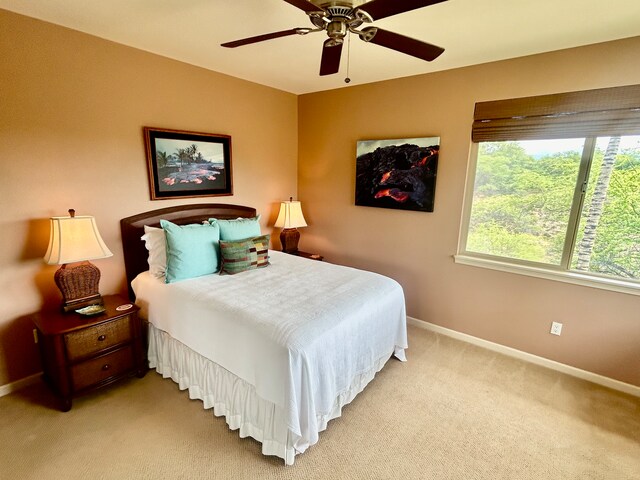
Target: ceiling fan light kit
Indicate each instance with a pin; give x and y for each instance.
(340, 18)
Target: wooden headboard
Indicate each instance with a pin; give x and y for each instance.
(132, 228)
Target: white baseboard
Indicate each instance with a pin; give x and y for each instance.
(495, 347)
(18, 384)
(528, 357)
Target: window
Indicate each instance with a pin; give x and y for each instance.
(557, 185)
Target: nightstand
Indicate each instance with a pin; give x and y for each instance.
(81, 353)
(312, 256)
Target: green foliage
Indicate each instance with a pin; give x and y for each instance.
(522, 203)
(162, 158)
(495, 239)
(522, 197)
(616, 249)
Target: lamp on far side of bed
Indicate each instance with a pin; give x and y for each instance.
(72, 243)
(290, 219)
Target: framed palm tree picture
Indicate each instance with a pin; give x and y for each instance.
(187, 164)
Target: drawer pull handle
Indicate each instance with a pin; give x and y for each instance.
(101, 338)
(106, 366)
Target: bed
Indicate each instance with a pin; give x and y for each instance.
(278, 351)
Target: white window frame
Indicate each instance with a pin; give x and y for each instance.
(560, 273)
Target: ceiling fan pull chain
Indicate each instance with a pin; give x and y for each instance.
(347, 79)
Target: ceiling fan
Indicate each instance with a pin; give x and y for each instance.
(338, 18)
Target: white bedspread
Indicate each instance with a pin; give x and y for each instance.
(300, 331)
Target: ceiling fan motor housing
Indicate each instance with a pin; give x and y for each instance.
(337, 20)
(336, 29)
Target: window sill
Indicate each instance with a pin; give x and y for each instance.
(614, 285)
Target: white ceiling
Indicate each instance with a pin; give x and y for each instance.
(471, 31)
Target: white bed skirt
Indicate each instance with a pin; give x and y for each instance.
(236, 400)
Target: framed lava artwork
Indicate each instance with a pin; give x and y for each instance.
(398, 174)
(187, 164)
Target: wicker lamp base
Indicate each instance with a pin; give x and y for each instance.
(78, 284)
(289, 238)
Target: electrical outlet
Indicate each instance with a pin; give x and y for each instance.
(556, 328)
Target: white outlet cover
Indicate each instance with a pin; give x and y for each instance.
(556, 328)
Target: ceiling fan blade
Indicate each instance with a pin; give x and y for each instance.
(400, 43)
(304, 5)
(261, 38)
(378, 9)
(330, 62)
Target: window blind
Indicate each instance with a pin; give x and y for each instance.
(601, 112)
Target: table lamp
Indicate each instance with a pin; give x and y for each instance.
(290, 219)
(73, 242)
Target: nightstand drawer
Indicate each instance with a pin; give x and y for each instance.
(98, 369)
(93, 339)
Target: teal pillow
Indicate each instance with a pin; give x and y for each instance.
(238, 229)
(192, 250)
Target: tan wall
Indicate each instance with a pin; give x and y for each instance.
(72, 108)
(601, 329)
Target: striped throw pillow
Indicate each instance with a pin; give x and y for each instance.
(241, 255)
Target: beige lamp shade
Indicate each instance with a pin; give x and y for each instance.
(290, 215)
(75, 239)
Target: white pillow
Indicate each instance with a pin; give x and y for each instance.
(156, 243)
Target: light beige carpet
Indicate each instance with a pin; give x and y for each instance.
(453, 411)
